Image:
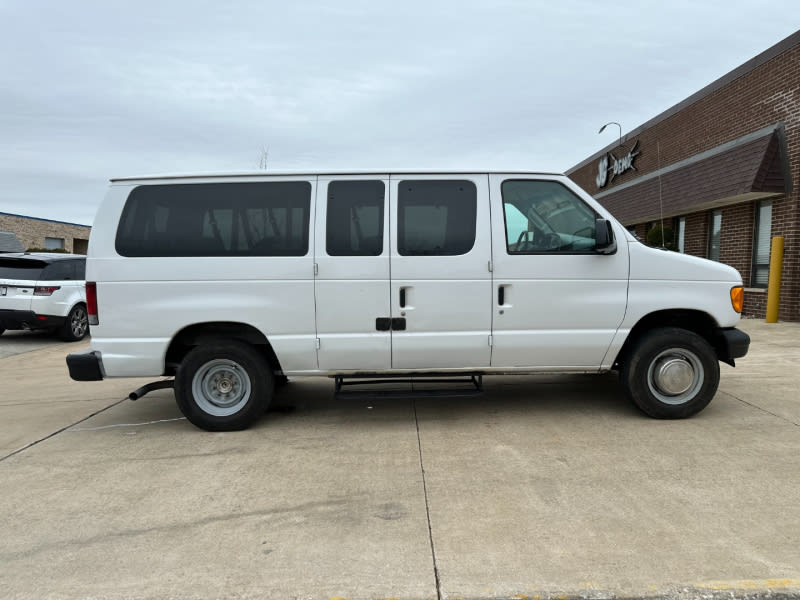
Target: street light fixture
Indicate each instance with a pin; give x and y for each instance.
(603, 128)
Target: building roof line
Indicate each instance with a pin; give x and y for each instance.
(5, 214)
(764, 131)
(743, 69)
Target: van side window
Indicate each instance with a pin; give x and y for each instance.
(216, 219)
(436, 218)
(355, 218)
(546, 216)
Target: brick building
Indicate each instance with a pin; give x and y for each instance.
(722, 169)
(45, 233)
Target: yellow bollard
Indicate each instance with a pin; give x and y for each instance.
(774, 285)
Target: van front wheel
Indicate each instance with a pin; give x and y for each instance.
(671, 373)
(223, 386)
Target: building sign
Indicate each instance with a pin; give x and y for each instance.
(616, 166)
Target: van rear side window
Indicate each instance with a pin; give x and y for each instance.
(216, 219)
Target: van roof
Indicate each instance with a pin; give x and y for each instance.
(306, 173)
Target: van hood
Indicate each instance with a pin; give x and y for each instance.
(658, 264)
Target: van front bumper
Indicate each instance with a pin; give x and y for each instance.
(85, 366)
(732, 343)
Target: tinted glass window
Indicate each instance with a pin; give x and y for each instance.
(546, 216)
(59, 271)
(715, 226)
(355, 218)
(25, 269)
(761, 247)
(436, 218)
(80, 269)
(216, 219)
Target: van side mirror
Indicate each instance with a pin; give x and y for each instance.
(604, 237)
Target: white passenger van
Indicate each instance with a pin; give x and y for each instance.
(231, 283)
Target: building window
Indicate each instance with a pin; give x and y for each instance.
(715, 226)
(763, 236)
(53, 243)
(681, 234)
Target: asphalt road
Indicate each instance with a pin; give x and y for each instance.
(543, 487)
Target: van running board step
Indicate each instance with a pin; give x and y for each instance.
(470, 384)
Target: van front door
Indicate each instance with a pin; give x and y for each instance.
(352, 273)
(441, 285)
(557, 301)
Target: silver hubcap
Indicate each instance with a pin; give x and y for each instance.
(79, 322)
(675, 376)
(221, 387)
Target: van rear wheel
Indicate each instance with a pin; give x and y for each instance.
(670, 373)
(224, 386)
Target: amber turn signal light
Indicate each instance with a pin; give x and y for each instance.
(737, 298)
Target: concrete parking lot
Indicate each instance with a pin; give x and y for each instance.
(549, 486)
(19, 342)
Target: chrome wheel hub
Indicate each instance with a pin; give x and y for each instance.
(675, 376)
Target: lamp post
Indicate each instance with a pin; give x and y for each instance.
(603, 128)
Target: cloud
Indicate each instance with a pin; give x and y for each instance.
(93, 90)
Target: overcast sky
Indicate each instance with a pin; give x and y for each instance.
(96, 89)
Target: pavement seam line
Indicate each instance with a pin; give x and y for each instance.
(427, 505)
(763, 410)
(62, 430)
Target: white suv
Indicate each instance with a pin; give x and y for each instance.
(44, 291)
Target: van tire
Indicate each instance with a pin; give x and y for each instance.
(76, 325)
(223, 386)
(670, 373)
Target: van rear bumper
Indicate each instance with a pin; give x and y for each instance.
(85, 366)
(732, 343)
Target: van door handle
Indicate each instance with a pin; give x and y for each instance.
(501, 295)
(402, 297)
